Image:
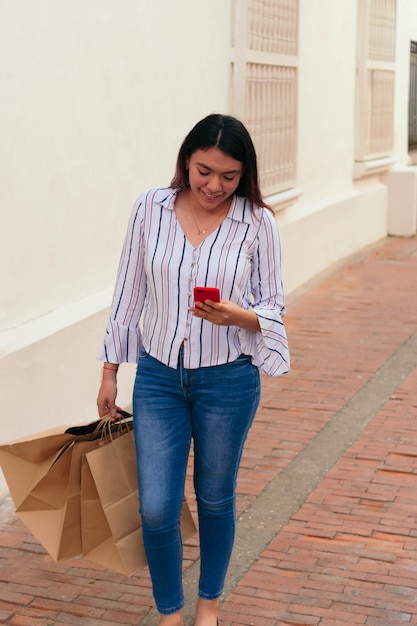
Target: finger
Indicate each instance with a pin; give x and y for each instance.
(112, 410)
(106, 408)
(118, 414)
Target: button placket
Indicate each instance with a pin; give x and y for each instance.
(191, 284)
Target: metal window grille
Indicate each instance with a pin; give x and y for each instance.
(264, 85)
(382, 18)
(381, 107)
(412, 109)
(375, 79)
(271, 104)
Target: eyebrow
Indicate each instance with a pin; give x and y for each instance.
(209, 168)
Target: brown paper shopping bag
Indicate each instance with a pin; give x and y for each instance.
(111, 525)
(43, 474)
(26, 461)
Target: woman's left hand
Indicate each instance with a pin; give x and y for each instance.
(226, 313)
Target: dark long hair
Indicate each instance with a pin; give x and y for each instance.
(229, 135)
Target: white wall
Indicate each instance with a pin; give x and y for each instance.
(407, 32)
(402, 180)
(334, 216)
(96, 98)
(326, 98)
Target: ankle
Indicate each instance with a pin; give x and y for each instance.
(206, 612)
(175, 619)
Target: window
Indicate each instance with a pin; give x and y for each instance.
(375, 79)
(412, 107)
(264, 85)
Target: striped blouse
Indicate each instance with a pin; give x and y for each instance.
(159, 268)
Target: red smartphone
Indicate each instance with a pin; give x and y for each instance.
(206, 293)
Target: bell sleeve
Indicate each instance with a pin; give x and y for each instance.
(123, 339)
(268, 347)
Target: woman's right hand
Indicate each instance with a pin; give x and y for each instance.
(106, 399)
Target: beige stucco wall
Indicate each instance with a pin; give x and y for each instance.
(321, 227)
(402, 179)
(407, 32)
(96, 97)
(336, 215)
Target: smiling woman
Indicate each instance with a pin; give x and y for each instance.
(213, 177)
(231, 137)
(198, 362)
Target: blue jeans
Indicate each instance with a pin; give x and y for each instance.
(215, 407)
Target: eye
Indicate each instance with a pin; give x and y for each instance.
(203, 173)
(229, 178)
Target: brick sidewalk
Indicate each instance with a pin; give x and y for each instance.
(349, 555)
(347, 552)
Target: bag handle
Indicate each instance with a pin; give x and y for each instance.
(101, 427)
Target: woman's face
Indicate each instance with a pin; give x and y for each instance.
(213, 176)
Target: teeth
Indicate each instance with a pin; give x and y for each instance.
(210, 196)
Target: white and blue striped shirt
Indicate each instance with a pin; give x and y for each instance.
(159, 268)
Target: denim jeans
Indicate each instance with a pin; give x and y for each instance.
(215, 407)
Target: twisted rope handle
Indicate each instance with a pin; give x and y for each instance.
(107, 426)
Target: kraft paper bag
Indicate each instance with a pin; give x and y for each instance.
(110, 521)
(52, 511)
(43, 474)
(26, 461)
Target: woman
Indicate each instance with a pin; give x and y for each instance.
(198, 363)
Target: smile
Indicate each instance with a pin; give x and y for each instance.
(210, 196)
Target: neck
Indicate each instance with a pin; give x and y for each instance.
(206, 220)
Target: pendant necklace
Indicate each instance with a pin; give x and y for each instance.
(203, 231)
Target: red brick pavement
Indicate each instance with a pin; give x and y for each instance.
(348, 556)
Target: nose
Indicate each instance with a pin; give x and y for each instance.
(214, 184)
